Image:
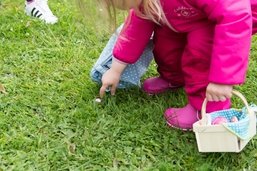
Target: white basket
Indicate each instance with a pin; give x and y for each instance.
(217, 138)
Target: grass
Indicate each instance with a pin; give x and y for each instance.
(48, 118)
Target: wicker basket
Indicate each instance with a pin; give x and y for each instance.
(217, 138)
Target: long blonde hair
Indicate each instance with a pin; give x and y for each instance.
(152, 10)
(149, 9)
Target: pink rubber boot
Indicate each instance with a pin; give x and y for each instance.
(181, 118)
(156, 85)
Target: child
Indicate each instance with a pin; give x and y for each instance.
(201, 45)
(40, 9)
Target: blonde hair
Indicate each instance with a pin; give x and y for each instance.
(152, 10)
(149, 9)
(100, 14)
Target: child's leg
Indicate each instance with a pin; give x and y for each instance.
(168, 49)
(196, 64)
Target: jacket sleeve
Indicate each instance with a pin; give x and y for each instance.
(133, 38)
(232, 39)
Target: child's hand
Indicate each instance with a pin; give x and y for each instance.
(111, 77)
(218, 92)
(110, 80)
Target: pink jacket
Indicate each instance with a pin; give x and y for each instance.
(232, 37)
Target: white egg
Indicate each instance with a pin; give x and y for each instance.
(98, 100)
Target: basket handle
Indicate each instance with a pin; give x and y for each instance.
(235, 92)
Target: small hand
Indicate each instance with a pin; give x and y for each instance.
(110, 80)
(218, 92)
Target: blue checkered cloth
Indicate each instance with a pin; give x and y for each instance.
(240, 128)
(133, 72)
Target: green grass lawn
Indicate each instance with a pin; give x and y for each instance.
(49, 120)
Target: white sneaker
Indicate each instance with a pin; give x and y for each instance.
(40, 9)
